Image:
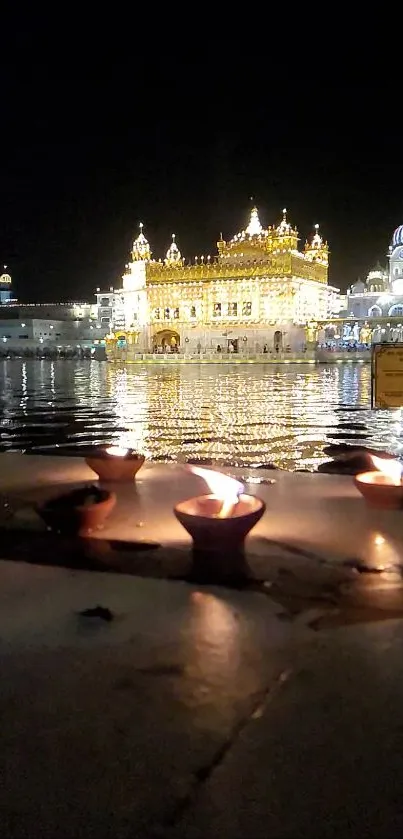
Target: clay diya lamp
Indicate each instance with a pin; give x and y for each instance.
(115, 463)
(218, 524)
(78, 512)
(382, 487)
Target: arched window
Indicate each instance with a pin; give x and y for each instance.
(374, 312)
(396, 311)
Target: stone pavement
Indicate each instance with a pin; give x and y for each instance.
(191, 713)
(323, 759)
(204, 711)
(109, 727)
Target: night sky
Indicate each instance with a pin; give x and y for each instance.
(105, 125)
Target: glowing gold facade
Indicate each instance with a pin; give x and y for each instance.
(258, 287)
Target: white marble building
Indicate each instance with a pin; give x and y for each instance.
(381, 295)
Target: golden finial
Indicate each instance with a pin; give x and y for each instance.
(141, 248)
(173, 256)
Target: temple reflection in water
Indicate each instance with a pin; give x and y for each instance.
(239, 415)
(247, 414)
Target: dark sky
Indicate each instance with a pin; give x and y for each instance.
(106, 123)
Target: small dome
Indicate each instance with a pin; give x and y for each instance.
(397, 238)
(378, 275)
(5, 278)
(317, 241)
(174, 256)
(284, 227)
(358, 287)
(141, 247)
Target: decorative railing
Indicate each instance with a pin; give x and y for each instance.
(276, 265)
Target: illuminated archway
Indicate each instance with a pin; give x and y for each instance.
(166, 338)
(121, 339)
(396, 311)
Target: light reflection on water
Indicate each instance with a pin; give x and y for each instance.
(240, 414)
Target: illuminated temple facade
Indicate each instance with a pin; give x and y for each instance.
(258, 293)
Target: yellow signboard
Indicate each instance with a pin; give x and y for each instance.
(387, 376)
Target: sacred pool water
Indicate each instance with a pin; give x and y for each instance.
(233, 414)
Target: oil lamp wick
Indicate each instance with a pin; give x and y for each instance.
(225, 489)
(228, 505)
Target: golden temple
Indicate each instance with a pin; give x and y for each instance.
(259, 291)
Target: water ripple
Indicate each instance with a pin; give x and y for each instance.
(244, 415)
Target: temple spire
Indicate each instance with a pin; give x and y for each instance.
(173, 256)
(141, 248)
(254, 227)
(317, 250)
(317, 240)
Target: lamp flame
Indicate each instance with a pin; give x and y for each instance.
(117, 451)
(391, 468)
(226, 489)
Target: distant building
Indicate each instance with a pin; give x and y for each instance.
(6, 293)
(46, 330)
(260, 290)
(381, 295)
(372, 311)
(28, 326)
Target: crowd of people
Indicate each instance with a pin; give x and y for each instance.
(344, 346)
(47, 352)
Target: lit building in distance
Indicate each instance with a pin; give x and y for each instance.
(373, 310)
(26, 327)
(382, 293)
(6, 294)
(258, 293)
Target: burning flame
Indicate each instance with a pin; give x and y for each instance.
(224, 488)
(117, 451)
(391, 468)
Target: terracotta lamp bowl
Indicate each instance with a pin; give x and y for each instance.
(378, 491)
(199, 516)
(218, 543)
(110, 467)
(78, 512)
